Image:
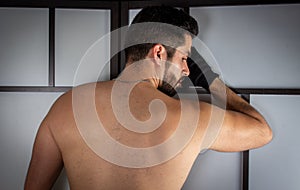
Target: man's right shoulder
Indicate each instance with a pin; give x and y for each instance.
(65, 100)
(60, 108)
(63, 106)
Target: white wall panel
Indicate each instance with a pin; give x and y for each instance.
(215, 170)
(276, 166)
(23, 46)
(255, 46)
(76, 31)
(20, 117)
(132, 14)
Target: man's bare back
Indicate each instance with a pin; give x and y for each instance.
(87, 170)
(116, 134)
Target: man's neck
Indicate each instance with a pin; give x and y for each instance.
(139, 72)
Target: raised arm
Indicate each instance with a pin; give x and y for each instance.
(243, 127)
(46, 162)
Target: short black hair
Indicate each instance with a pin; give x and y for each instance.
(171, 26)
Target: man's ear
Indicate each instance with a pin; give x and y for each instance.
(159, 53)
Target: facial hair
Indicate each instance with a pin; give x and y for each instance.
(166, 87)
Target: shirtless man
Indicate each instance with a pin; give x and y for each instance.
(65, 137)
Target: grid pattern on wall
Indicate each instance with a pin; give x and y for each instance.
(119, 13)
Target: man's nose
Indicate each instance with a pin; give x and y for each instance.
(185, 69)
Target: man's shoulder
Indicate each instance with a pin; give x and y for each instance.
(60, 108)
(79, 93)
(90, 87)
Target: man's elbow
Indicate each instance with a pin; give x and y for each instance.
(266, 134)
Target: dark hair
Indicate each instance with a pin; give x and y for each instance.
(158, 24)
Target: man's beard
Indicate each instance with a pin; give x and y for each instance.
(167, 88)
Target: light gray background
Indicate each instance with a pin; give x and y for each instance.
(255, 46)
(76, 32)
(23, 47)
(276, 166)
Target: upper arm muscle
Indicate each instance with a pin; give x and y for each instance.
(46, 162)
(237, 132)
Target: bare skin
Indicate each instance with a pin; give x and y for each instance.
(59, 144)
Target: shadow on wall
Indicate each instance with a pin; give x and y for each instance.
(61, 182)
